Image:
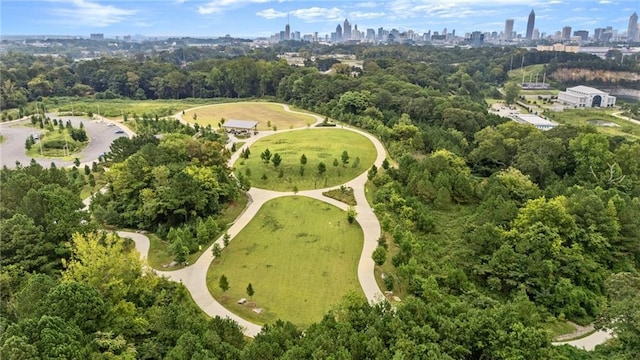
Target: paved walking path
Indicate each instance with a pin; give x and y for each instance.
(194, 276)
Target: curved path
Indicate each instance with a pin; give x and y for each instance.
(194, 277)
(101, 134)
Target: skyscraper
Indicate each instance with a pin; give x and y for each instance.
(531, 24)
(632, 31)
(287, 32)
(508, 29)
(346, 30)
(338, 33)
(566, 33)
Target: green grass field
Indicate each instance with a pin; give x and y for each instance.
(115, 108)
(301, 257)
(265, 113)
(318, 145)
(515, 75)
(559, 328)
(160, 255)
(55, 136)
(581, 117)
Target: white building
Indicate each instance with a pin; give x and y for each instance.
(584, 96)
(535, 120)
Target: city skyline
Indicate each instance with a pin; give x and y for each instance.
(261, 18)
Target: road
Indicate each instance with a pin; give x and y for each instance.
(101, 134)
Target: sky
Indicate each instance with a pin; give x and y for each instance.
(258, 18)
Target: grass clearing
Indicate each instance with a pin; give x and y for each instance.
(56, 144)
(116, 108)
(267, 114)
(160, 255)
(559, 328)
(343, 194)
(530, 71)
(301, 256)
(318, 145)
(581, 117)
(87, 190)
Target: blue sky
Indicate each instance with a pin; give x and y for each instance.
(253, 18)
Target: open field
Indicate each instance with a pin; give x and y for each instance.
(318, 145)
(515, 75)
(265, 113)
(160, 254)
(301, 257)
(581, 117)
(116, 108)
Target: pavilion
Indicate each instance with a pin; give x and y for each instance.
(240, 126)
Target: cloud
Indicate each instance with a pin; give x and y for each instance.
(85, 12)
(271, 14)
(366, 4)
(318, 14)
(355, 15)
(220, 6)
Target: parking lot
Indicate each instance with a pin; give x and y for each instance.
(101, 135)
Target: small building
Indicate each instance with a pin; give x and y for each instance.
(240, 127)
(586, 97)
(535, 120)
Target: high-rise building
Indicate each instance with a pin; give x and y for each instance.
(287, 32)
(338, 33)
(566, 33)
(98, 36)
(531, 24)
(508, 29)
(346, 30)
(583, 34)
(632, 31)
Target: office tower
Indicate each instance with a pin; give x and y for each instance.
(531, 24)
(338, 33)
(632, 31)
(287, 32)
(508, 29)
(536, 34)
(346, 30)
(566, 32)
(583, 34)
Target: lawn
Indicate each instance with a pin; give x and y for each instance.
(116, 108)
(267, 114)
(558, 328)
(160, 255)
(50, 145)
(580, 117)
(318, 145)
(301, 257)
(530, 72)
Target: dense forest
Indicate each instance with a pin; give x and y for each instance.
(491, 229)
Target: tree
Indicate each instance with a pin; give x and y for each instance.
(385, 164)
(303, 159)
(379, 255)
(345, 158)
(322, 168)
(351, 214)
(225, 239)
(511, 92)
(301, 170)
(265, 156)
(276, 160)
(372, 172)
(623, 311)
(216, 250)
(223, 283)
(29, 142)
(250, 291)
(335, 163)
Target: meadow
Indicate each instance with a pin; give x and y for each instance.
(301, 257)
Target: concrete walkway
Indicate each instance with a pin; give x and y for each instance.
(194, 276)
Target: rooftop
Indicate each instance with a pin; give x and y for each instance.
(240, 124)
(586, 89)
(535, 120)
